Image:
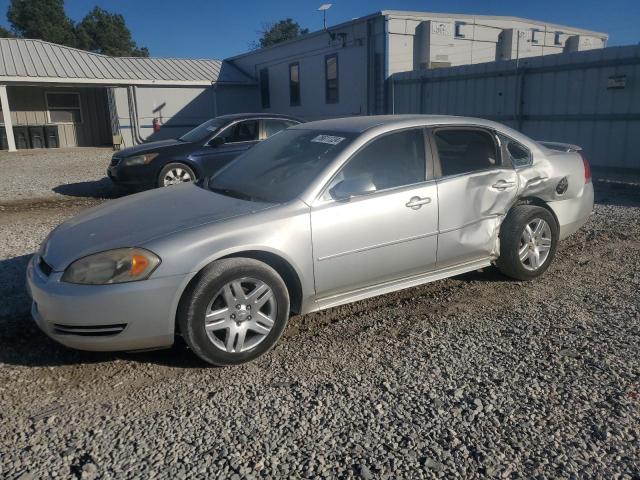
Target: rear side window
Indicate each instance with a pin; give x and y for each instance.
(272, 127)
(465, 150)
(517, 153)
(246, 131)
(390, 161)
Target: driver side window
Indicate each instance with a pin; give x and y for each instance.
(389, 161)
(246, 131)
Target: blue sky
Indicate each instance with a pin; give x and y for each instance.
(219, 29)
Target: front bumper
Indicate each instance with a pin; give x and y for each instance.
(85, 316)
(136, 175)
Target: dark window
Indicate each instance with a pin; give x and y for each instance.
(534, 35)
(272, 126)
(458, 29)
(331, 75)
(204, 130)
(463, 151)
(517, 153)
(556, 38)
(246, 131)
(264, 88)
(390, 161)
(294, 84)
(64, 107)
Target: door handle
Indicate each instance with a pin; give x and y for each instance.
(416, 202)
(503, 185)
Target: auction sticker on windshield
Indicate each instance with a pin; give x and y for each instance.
(331, 140)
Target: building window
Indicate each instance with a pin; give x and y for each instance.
(458, 29)
(556, 38)
(331, 76)
(294, 84)
(534, 35)
(63, 107)
(264, 88)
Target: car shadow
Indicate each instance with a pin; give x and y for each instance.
(103, 188)
(23, 344)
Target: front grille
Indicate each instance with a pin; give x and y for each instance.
(115, 161)
(45, 268)
(89, 330)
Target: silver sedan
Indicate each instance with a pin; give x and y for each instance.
(321, 214)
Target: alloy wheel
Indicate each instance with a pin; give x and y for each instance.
(240, 315)
(535, 244)
(175, 176)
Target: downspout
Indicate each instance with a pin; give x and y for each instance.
(214, 87)
(386, 59)
(133, 115)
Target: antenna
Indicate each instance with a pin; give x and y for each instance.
(323, 8)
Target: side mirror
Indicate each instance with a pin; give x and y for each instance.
(216, 142)
(352, 187)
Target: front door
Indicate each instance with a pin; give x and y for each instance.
(238, 138)
(386, 228)
(475, 191)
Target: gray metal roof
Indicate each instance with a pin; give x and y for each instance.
(26, 60)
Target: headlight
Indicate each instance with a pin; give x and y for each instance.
(139, 159)
(113, 266)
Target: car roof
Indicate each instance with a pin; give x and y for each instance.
(360, 124)
(246, 116)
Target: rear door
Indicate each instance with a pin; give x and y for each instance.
(475, 191)
(238, 138)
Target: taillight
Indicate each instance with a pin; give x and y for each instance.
(587, 168)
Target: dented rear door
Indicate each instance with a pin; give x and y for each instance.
(471, 204)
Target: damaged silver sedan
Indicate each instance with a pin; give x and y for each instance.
(321, 214)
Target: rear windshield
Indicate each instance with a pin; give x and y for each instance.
(280, 168)
(204, 131)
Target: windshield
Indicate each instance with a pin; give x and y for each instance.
(279, 169)
(204, 131)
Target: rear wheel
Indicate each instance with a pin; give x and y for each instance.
(235, 312)
(174, 174)
(528, 241)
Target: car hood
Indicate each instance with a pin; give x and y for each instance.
(149, 147)
(134, 220)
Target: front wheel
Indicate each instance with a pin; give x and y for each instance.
(235, 312)
(175, 173)
(528, 241)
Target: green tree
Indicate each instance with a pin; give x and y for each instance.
(43, 19)
(4, 33)
(107, 33)
(277, 32)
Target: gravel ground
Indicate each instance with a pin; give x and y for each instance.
(55, 174)
(475, 376)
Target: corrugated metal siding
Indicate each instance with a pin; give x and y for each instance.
(36, 59)
(558, 97)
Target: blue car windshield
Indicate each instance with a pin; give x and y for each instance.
(204, 131)
(280, 168)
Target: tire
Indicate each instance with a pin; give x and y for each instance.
(515, 240)
(218, 339)
(175, 173)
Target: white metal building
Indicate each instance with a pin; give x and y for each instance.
(344, 70)
(91, 100)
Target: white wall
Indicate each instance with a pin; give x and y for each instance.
(179, 109)
(310, 53)
(430, 40)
